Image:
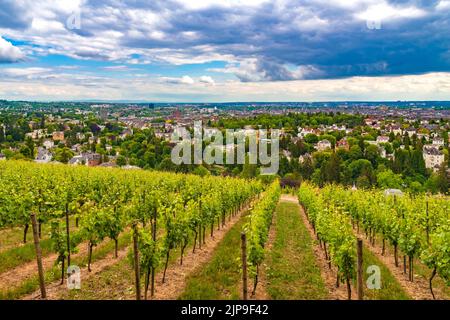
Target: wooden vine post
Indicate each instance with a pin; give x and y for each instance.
(67, 234)
(136, 262)
(428, 225)
(37, 247)
(244, 265)
(360, 281)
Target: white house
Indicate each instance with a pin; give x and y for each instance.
(43, 156)
(80, 136)
(382, 139)
(48, 144)
(303, 158)
(382, 152)
(433, 157)
(302, 132)
(411, 131)
(396, 129)
(323, 145)
(438, 142)
(37, 134)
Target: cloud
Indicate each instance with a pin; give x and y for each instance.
(281, 40)
(255, 70)
(9, 53)
(116, 68)
(26, 73)
(207, 79)
(433, 86)
(182, 80)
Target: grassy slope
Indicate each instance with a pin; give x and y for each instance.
(292, 272)
(390, 287)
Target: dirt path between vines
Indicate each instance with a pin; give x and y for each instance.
(16, 276)
(55, 290)
(328, 275)
(418, 290)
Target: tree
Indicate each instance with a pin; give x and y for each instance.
(417, 162)
(372, 154)
(442, 180)
(201, 171)
(63, 154)
(121, 161)
(285, 166)
(331, 169)
(248, 170)
(2, 135)
(415, 187)
(307, 168)
(389, 180)
(311, 138)
(355, 152)
(363, 182)
(28, 149)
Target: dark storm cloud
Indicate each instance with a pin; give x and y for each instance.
(304, 39)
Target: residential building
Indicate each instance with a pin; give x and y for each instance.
(88, 159)
(382, 139)
(48, 144)
(411, 131)
(438, 142)
(343, 143)
(303, 158)
(37, 134)
(433, 157)
(58, 136)
(323, 145)
(43, 155)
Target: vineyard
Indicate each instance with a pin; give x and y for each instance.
(163, 211)
(151, 235)
(417, 226)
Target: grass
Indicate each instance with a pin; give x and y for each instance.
(115, 282)
(291, 271)
(16, 253)
(390, 287)
(15, 257)
(32, 284)
(12, 237)
(220, 278)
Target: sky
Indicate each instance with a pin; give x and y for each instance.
(228, 50)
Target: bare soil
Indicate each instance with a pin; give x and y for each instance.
(55, 290)
(14, 277)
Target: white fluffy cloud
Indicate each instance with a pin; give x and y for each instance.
(207, 79)
(9, 53)
(49, 85)
(182, 80)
